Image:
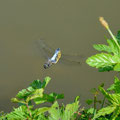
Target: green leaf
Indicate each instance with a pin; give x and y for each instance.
(113, 46)
(90, 111)
(55, 113)
(66, 113)
(116, 86)
(89, 101)
(70, 110)
(42, 110)
(116, 113)
(25, 92)
(48, 98)
(112, 98)
(104, 111)
(101, 60)
(101, 47)
(18, 114)
(40, 100)
(36, 84)
(15, 100)
(2, 115)
(46, 81)
(106, 68)
(38, 93)
(56, 96)
(117, 67)
(41, 117)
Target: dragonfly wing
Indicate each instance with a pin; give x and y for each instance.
(48, 52)
(74, 59)
(44, 49)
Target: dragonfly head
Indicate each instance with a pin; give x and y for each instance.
(47, 64)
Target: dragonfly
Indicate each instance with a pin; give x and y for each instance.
(54, 59)
(52, 55)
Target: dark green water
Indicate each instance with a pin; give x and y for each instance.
(71, 25)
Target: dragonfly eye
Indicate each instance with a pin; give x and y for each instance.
(46, 66)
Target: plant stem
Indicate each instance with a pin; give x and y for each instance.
(29, 110)
(95, 100)
(105, 24)
(103, 102)
(110, 32)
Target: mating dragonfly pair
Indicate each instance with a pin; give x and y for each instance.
(53, 56)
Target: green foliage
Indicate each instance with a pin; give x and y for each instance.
(89, 101)
(35, 92)
(101, 47)
(114, 101)
(110, 59)
(25, 98)
(19, 113)
(64, 113)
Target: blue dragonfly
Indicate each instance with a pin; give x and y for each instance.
(54, 59)
(52, 56)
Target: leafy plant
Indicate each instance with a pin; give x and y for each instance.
(108, 60)
(35, 93)
(113, 109)
(64, 113)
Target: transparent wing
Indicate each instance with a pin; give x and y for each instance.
(44, 49)
(71, 59)
(48, 51)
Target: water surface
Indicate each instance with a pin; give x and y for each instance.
(70, 25)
